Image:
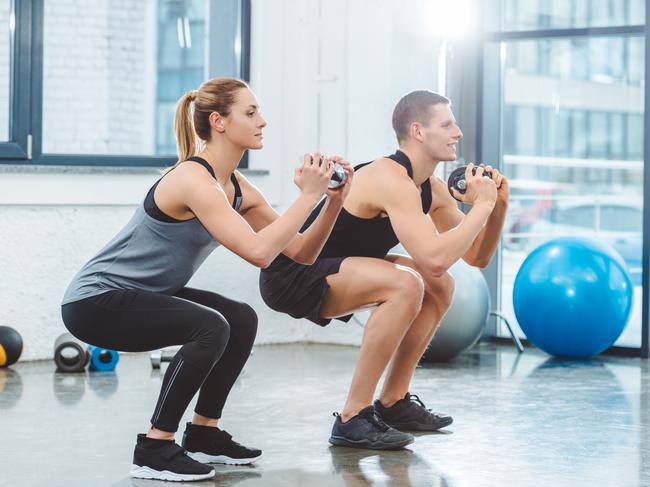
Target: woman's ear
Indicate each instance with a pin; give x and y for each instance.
(216, 122)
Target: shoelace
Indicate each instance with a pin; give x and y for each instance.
(414, 399)
(378, 422)
(373, 418)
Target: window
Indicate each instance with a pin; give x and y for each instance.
(564, 14)
(111, 74)
(579, 216)
(572, 130)
(6, 42)
(181, 62)
(634, 131)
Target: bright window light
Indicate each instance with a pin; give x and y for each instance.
(451, 20)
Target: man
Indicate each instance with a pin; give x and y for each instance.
(395, 199)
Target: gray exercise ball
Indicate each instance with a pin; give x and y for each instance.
(463, 324)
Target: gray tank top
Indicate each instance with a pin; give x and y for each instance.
(148, 254)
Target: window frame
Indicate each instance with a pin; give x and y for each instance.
(26, 97)
(489, 144)
(17, 147)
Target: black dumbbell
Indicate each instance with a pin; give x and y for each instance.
(457, 179)
(70, 354)
(157, 357)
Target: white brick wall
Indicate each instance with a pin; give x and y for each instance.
(95, 56)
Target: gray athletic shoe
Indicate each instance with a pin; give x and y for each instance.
(410, 414)
(367, 430)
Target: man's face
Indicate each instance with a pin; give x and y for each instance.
(441, 134)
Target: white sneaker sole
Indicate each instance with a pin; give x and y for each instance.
(205, 458)
(149, 473)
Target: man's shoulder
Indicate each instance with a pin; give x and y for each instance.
(384, 167)
(387, 183)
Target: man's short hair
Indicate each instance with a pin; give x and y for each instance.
(414, 107)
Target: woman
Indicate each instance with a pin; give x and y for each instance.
(131, 296)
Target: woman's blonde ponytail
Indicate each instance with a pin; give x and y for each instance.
(186, 139)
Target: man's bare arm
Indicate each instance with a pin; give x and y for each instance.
(431, 250)
(446, 216)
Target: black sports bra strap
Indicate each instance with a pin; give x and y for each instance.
(238, 196)
(204, 163)
(359, 166)
(237, 201)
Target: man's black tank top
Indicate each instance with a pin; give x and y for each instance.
(363, 237)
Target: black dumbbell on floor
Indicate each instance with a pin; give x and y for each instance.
(158, 357)
(70, 354)
(457, 179)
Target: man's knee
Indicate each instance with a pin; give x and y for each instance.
(409, 285)
(441, 292)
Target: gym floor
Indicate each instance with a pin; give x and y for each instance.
(524, 420)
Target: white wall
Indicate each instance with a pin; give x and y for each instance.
(327, 75)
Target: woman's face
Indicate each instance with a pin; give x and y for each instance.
(245, 123)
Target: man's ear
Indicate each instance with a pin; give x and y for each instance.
(416, 131)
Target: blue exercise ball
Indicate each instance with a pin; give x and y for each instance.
(572, 297)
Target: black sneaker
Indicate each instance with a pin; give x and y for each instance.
(207, 444)
(165, 460)
(410, 414)
(367, 430)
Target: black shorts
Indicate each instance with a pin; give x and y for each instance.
(298, 289)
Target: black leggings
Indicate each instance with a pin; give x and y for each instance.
(217, 335)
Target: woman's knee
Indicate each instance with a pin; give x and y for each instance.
(245, 326)
(215, 331)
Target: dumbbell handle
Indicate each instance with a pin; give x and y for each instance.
(338, 177)
(157, 357)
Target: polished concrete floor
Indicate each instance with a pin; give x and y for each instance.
(523, 420)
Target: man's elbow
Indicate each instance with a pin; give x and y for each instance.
(477, 262)
(437, 268)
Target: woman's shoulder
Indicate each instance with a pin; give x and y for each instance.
(190, 171)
